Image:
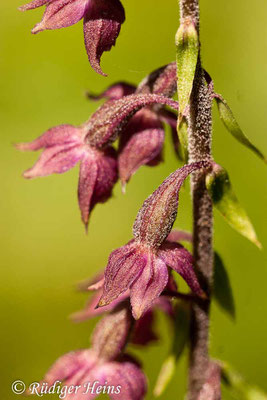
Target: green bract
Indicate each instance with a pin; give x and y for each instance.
(222, 290)
(187, 48)
(232, 126)
(225, 200)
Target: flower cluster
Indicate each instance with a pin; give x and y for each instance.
(142, 264)
(118, 373)
(91, 143)
(140, 276)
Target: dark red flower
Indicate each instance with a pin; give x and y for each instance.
(102, 22)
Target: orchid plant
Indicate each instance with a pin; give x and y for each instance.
(140, 276)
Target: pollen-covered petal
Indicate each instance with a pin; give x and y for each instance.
(58, 135)
(148, 285)
(114, 92)
(181, 261)
(161, 81)
(141, 148)
(158, 213)
(33, 4)
(109, 120)
(55, 160)
(124, 266)
(61, 14)
(102, 24)
(98, 174)
(128, 378)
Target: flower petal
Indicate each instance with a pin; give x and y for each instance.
(114, 92)
(148, 286)
(58, 135)
(98, 174)
(55, 160)
(61, 14)
(140, 143)
(109, 120)
(124, 266)
(90, 310)
(161, 81)
(33, 4)
(102, 24)
(106, 177)
(181, 261)
(86, 186)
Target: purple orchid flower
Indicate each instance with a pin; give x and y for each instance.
(143, 330)
(66, 145)
(117, 375)
(102, 22)
(142, 140)
(142, 264)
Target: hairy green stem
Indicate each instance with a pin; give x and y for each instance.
(199, 148)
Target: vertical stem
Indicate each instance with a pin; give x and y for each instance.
(199, 147)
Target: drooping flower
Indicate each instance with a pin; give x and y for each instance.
(66, 145)
(143, 330)
(141, 141)
(113, 373)
(102, 22)
(142, 264)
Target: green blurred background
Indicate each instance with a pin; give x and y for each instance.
(43, 248)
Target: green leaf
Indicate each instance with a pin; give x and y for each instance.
(238, 387)
(232, 126)
(187, 49)
(225, 200)
(222, 290)
(165, 375)
(183, 138)
(180, 338)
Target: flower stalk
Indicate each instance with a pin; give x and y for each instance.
(199, 148)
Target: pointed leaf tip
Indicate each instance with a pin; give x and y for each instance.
(225, 200)
(233, 127)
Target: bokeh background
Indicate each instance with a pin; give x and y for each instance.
(44, 251)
